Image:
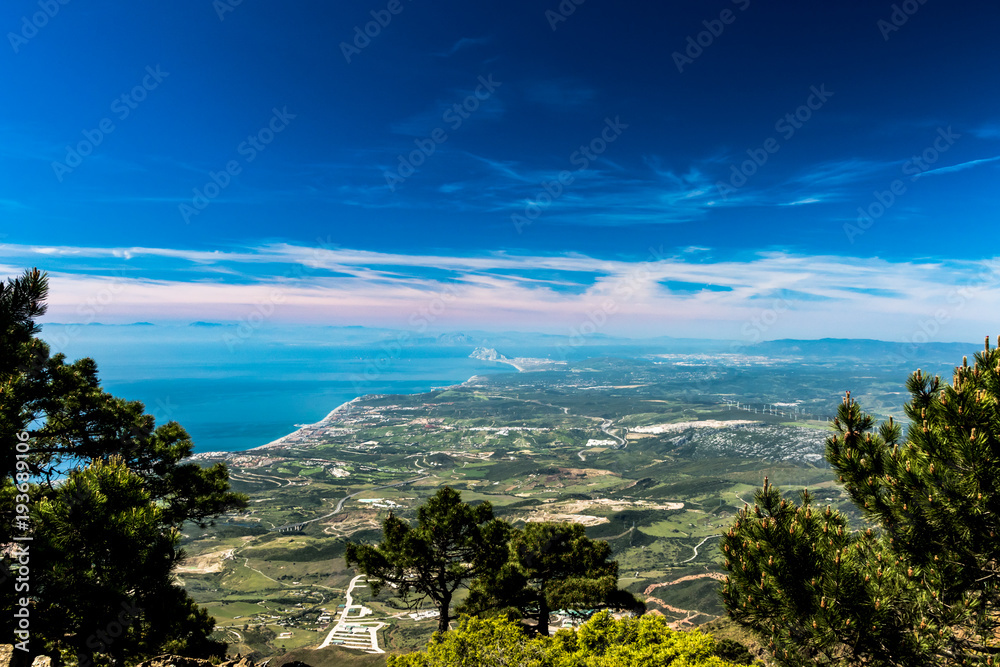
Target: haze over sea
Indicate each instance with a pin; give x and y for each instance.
(235, 395)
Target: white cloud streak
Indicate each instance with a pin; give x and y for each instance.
(820, 295)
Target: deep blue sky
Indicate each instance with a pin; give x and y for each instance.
(313, 215)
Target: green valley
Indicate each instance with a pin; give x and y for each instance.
(654, 454)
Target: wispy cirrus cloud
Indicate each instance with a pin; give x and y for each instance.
(607, 191)
(563, 94)
(988, 131)
(950, 169)
(464, 43)
(450, 113)
(670, 293)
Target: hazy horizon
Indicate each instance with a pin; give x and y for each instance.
(223, 326)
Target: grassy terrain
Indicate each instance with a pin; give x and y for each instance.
(660, 495)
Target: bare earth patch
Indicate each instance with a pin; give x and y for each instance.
(346, 524)
(573, 506)
(209, 563)
(718, 576)
(573, 510)
(682, 623)
(586, 472)
(585, 519)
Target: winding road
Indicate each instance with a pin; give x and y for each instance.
(250, 477)
(340, 504)
(696, 548)
(608, 424)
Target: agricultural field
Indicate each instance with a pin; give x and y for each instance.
(653, 454)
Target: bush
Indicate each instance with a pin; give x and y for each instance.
(603, 641)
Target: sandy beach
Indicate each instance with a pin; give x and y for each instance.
(335, 413)
(328, 418)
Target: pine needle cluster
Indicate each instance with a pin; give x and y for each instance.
(919, 584)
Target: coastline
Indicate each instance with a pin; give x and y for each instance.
(337, 409)
(328, 418)
(333, 414)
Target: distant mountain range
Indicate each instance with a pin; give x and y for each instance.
(859, 348)
(532, 344)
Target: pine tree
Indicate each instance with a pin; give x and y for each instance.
(107, 587)
(98, 491)
(551, 566)
(452, 543)
(920, 584)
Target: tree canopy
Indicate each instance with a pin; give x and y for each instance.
(919, 583)
(551, 566)
(101, 491)
(602, 641)
(452, 543)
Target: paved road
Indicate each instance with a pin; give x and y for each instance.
(342, 623)
(609, 425)
(340, 505)
(696, 548)
(244, 476)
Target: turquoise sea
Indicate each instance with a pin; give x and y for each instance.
(232, 393)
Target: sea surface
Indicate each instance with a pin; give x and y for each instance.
(233, 392)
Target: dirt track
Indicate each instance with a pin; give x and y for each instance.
(718, 576)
